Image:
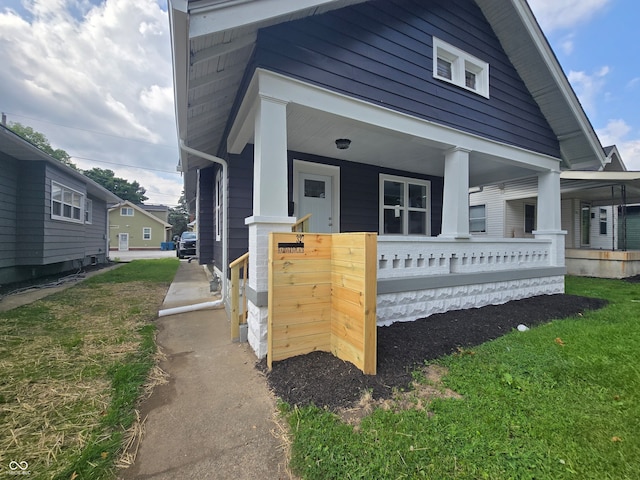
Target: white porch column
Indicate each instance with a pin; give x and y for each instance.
(548, 215)
(270, 210)
(455, 203)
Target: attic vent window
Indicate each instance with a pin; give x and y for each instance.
(455, 66)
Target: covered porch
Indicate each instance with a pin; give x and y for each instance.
(422, 267)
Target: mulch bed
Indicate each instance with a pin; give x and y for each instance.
(323, 380)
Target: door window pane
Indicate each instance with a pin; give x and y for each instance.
(314, 188)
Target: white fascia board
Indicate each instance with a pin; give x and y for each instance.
(294, 91)
(222, 16)
(179, 29)
(542, 45)
(600, 176)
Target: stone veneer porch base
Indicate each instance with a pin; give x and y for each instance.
(408, 306)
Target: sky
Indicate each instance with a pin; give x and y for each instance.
(95, 77)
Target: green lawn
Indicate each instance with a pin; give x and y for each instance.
(559, 401)
(72, 367)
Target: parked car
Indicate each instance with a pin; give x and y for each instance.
(186, 245)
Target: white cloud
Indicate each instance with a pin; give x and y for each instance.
(589, 87)
(565, 14)
(95, 66)
(616, 133)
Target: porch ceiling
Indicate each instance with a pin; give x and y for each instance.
(601, 188)
(314, 132)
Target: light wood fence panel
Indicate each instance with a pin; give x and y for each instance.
(322, 296)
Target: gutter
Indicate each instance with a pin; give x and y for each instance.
(225, 232)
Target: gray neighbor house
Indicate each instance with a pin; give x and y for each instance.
(53, 219)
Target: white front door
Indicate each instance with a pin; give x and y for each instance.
(123, 242)
(315, 196)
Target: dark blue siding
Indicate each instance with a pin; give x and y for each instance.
(359, 196)
(240, 201)
(381, 52)
(206, 209)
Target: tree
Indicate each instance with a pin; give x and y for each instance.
(179, 216)
(131, 191)
(40, 140)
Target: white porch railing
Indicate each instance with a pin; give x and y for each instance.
(418, 257)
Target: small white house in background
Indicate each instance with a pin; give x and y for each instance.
(599, 212)
(53, 219)
(377, 116)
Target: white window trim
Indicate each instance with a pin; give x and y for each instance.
(144, 233)
(461, 62)
(218, 207)
(88, 211)
(128, 209)
(406, 207)
(62, 203)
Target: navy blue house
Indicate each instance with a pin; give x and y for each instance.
(376, 116)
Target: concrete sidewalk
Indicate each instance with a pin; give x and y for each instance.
(215, 417)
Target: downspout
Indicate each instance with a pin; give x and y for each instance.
(225, 234)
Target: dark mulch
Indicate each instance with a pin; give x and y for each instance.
(321, 379)
(634, 279)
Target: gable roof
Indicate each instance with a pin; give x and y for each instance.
(140, 209)
(17, 147)
(213, 41)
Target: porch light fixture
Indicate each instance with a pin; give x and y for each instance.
(343, 143)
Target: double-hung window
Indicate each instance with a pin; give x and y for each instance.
(146, 233)
(478, 219)
(603, 221)
(66, 204)
(456, 66)
(405, 206)
(218, 205)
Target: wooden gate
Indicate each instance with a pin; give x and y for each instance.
(322, 296)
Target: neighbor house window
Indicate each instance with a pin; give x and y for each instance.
(529, 218)
(603, 221)
(88, 211)
(478, 219)
(66, 204)
(146, 233)
(405, 205)
(456, 66)
(126, 212)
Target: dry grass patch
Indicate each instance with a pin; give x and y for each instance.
(55, 380)
(427, 387)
